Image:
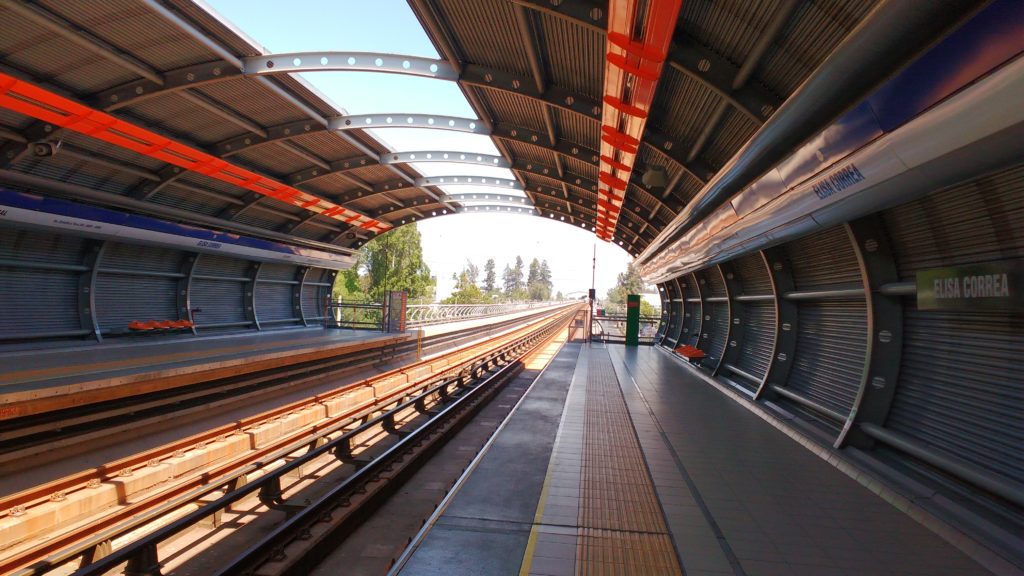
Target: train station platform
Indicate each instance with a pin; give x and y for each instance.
(626, 461)
(40, 380)
(35, 381)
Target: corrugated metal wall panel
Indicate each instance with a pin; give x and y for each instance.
(714, 344)
(38, 301)
(273, 301)
(832, 334)
(714, 283)
(691, 311)
(753, 275)
(40, 247)
(960, 387)
(212, 265)
(830, 352)
(136, 257)
(220, 300)
(121, 299)
(823, 260)
(313, 301)
(974, 222)
(277, 272)
(758, 338)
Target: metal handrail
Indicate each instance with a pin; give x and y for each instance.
(611, 328)
(428, 314)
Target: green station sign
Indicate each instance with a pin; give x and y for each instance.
(997, 285)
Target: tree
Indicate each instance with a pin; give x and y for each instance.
(489, 276)
(628, 282)
(534, 272)
(466, 291)
(538, 284)
(472, 271)
(391, 261)
(508, 278)
(545, 274)
(518, 271)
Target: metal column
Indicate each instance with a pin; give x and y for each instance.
(885, 330)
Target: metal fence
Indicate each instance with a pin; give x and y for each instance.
(355, 315)
(366, 315)
(612, 329)
(427, 314)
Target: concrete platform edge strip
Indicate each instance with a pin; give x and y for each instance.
(538, 517)
(407, 554)
(957, 538)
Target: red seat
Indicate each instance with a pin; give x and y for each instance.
(690, 352)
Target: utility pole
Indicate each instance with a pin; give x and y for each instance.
(593, 295)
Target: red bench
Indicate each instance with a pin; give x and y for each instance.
(140, 326)
(691, 353)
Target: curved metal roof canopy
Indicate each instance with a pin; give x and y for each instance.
(740, 85)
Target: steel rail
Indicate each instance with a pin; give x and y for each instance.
(62, 549)
(36, 424)
(267, 485)
(407, 454)
(45, 492)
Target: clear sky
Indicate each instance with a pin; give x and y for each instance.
(390, 26)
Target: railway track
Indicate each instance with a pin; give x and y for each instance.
(358, 427)
(24, 439)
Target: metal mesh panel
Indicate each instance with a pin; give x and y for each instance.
(221, 301)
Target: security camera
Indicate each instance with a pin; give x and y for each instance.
(655, 177)
(44, 149)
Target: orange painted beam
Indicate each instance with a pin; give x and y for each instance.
(39, 103)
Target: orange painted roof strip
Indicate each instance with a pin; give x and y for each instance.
(31, 100)
(633, 67)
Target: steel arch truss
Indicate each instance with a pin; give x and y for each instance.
(348, 62)
(455, 156)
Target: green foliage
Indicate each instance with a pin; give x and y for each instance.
(628, 282)
(538, 283)
(391, 261)
(513, 280)
(466, 290)
(489, 276)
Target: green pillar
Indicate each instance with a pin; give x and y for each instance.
(633, 320)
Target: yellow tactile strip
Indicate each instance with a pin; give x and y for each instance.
(621, 526)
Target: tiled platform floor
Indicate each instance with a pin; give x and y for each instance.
(735, 495)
